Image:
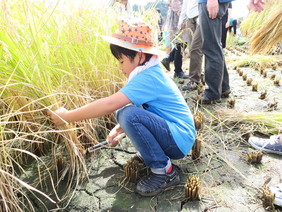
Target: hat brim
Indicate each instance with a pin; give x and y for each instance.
(135, 47)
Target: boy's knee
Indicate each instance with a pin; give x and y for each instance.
(124, 113)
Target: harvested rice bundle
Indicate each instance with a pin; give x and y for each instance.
(268, 35)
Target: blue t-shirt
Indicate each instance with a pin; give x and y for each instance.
(160, 95)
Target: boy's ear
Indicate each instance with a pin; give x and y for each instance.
(142, 57)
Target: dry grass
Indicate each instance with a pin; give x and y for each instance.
(268, 35)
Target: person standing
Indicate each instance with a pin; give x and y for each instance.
(177, 38)
(233, 23)
(190, 13)
(216, 75)
(225, 25)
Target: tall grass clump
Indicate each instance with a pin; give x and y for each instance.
(50, 57)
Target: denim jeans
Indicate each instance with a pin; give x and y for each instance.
(150, 135)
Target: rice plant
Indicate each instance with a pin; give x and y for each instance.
(50, 58)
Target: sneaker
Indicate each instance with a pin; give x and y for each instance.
(153, 184)
(181, 75)
(271, 145)
(277, 191)
(166, 63)
(190, 86)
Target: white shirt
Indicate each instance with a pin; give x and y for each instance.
(189, 10)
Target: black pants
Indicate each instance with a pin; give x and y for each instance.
(176, 56)
(224, 31)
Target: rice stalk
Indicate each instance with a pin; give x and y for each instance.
(255, 20)
(253, 61)
(268, 123)
(43, 52)
(268, 35)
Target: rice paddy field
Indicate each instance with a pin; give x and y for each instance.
(52, 55)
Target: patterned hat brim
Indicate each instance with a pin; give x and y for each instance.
(135, 47)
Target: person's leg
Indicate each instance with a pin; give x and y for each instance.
(196, 55)
(214, 58)
(224, 31)
(178, 58)
(150, 135)
(167, 60)
(235, 26)
(191, 27)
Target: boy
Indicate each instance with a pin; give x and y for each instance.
(163, 128)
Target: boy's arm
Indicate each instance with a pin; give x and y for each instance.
(94, 109)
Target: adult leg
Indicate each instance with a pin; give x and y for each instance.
(235, 26)
(196, 55)
(224, 31)
(214, 58)
(191, 27)
(178, 58)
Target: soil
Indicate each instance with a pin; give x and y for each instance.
(228, 182)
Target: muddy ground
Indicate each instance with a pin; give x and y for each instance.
(228, 182)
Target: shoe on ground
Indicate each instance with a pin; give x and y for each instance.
(206, 101)
(166, 63)
(181, 75)
(277, 191)
(225, 94)
(190, 86)
(153, 184)
(271, 145)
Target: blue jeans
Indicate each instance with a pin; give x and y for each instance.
(150, 135)
(216, 75)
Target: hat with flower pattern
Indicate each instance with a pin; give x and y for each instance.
(134, 34)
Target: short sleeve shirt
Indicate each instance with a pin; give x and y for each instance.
(157, 93)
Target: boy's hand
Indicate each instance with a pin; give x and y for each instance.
(59, 116)
(113, 137)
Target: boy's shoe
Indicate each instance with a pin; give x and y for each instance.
(190, 86)
(153, 184)
(181, 75)
(271, 145)
(166, 63)
(277, 191)
(225, 94)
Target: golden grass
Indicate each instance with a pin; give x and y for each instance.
(268, 35)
